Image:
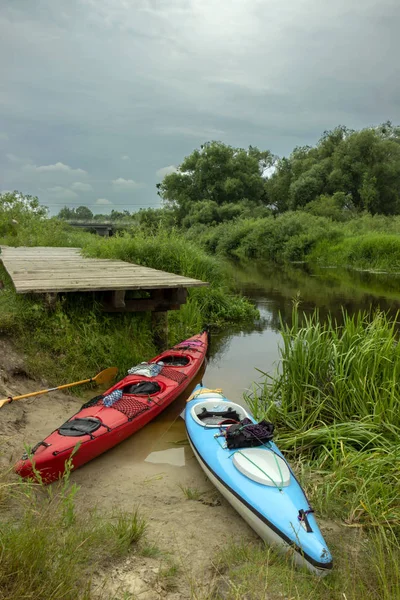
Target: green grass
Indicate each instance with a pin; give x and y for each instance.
(335, 372)
(127, 529)
(75, 339)
(42, 232)
(371, 251)
(335, 402)
(363, 242)
(171, 251)
(288, 237)
(168, 575)
(49, 550)
(366, 567)
(165, 249)
(191, 493)
(150, 550)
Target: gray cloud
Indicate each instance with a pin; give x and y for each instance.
(58, 167)
(207, 133)
(161, 173)
(116, 89)
(61, 193)
(126, 184)
(16, 159)
(82, 187)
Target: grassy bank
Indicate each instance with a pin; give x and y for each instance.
(49, 550)
(336, 406)
(366, 566)
(76, 338)
(371, 251)
(363, 242)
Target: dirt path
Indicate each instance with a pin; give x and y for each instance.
(147, 471)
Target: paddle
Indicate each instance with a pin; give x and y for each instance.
(102, 377)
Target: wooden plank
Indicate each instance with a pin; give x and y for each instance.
(99, 271)
(137, 281)
(98, 286)
(35, 275)
(56, 276)
(70, 266)
(134, 284)
(53, 270)
(89, 288)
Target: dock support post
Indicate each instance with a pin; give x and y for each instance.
(118, 299)
(50, 299)
(159, 325)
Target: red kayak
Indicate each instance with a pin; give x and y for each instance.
(119, 412)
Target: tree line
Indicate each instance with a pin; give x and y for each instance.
(347, 172)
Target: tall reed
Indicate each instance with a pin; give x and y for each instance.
(336, 404)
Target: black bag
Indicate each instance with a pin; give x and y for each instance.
(247, 434)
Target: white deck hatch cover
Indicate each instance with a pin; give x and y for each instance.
(261, 465)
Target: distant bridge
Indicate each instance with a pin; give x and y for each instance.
(103, 229)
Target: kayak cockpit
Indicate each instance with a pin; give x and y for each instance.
(174, 360)
(210, 413)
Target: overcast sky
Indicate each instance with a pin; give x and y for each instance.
(100, 98)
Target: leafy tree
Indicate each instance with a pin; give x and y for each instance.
(152, 218)
(363, 165)
(219, 174)
(83, 213)
(338, 207)
(17, 210)
(367, 165)
(116, 215)
(67, 213)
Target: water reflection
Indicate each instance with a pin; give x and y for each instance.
(237, 354)
(171, 456)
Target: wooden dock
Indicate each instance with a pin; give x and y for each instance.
(47, 270)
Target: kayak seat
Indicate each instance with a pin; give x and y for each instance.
(142, 388)
(216, 417)
(80, 427)
(173, 360)
(263, 466)
(211, 413)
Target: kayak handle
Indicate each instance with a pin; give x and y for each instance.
(303, 518)
(25, 455)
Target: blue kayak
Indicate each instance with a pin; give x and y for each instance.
(256, 481)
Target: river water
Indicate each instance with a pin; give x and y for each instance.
(239, 353)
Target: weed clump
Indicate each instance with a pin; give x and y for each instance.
(50, 550)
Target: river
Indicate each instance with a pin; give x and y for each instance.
(238, 355)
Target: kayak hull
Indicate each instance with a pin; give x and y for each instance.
(50, 456)
(270, 517)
